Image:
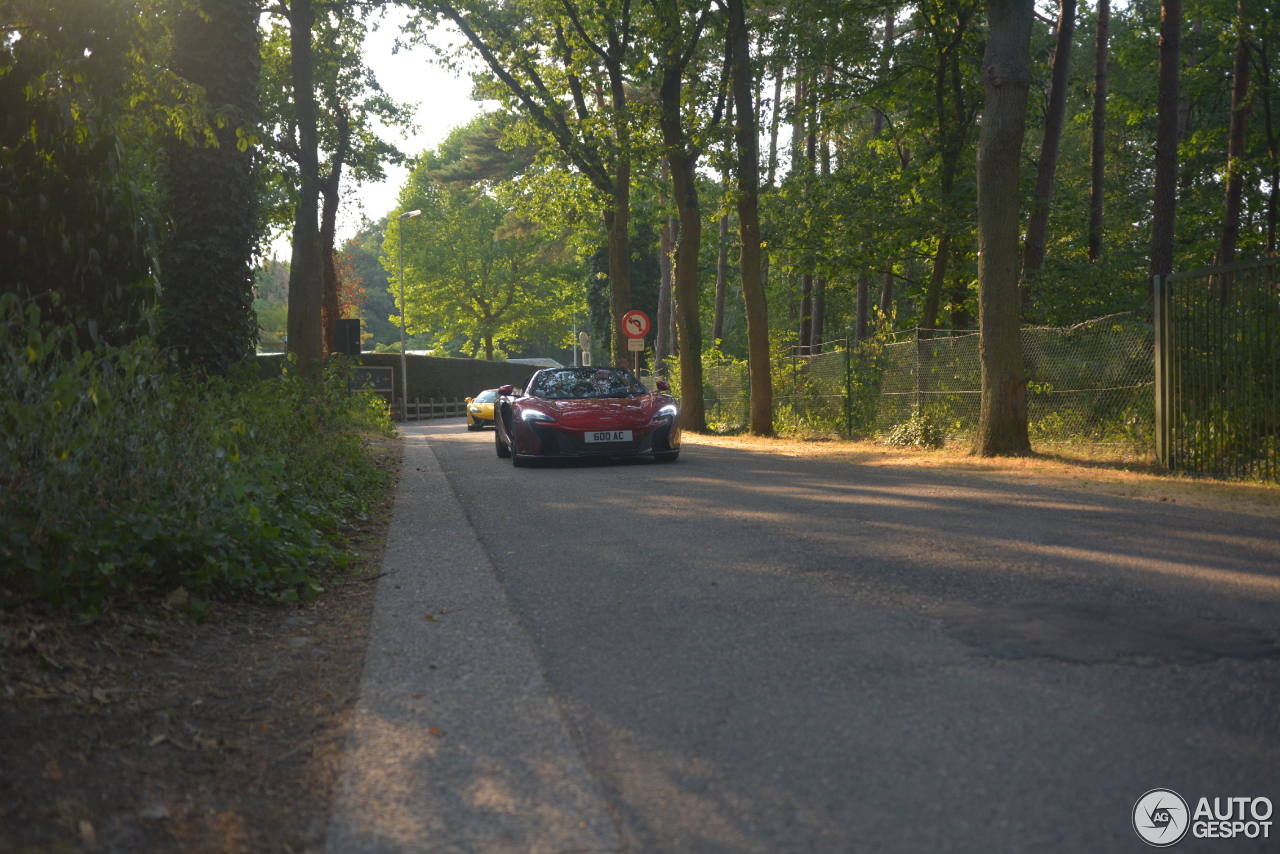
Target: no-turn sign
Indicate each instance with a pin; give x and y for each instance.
(635, 324)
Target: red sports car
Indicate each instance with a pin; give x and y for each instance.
(586, 412)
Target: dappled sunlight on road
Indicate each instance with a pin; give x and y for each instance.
(770, 653)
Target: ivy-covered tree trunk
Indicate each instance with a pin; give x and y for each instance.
(1006, 75)
(747, 139)
(211, 194)
(1165, 204)
(306, 285)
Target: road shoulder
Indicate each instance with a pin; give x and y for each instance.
(457, 742)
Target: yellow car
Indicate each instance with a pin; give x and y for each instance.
(480, 409)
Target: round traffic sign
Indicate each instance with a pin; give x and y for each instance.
(635, 324)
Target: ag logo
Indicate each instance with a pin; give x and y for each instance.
(1160, 817)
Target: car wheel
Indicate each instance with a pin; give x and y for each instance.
(667, 456)
(500, 446)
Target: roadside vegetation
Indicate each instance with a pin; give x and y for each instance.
(125, 476)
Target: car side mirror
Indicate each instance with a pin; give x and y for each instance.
(662, 385)
(506, 389)
(469, 399)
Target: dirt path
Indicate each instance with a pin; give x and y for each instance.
(149, 733)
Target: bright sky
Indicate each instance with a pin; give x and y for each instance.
(442, 99)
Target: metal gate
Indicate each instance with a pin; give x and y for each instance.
(1217, 370)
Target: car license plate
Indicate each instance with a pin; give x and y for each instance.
(607, 436)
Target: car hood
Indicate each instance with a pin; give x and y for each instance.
(615, 412)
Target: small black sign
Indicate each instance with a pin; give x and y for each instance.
(373, 378)
(349, 336)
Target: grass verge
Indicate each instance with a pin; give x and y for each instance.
(1060, 468)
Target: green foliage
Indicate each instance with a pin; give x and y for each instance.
(121, 476)
(919, 431)
(212, 201)
(271, 300)
(82, 94)
(476, 266)
(362, 256)
(344, 84)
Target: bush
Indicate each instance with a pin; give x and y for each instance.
(920, 431)
(123, 476)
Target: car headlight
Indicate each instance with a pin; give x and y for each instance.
(668, 411)
(532, 415)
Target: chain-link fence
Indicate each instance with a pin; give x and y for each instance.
(1089, 384)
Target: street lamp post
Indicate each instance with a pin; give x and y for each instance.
(404, 360)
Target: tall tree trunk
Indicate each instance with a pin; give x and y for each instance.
(773, 125)
(206, 301)
(670, 231)
(1098, 162)
(685, 286)
(886, 284)
(330, 310)
(1165, 203)
(620, 252)
(1006, 75)
(1273, 144)
(799, 105)
(953, 130)
(683, 157)
(1055, 119)
(959, 296)
(817, 329)
(662, 339)
(722, 253)
(818, 324)
(306, 285)
(747, 141)
(877, 117)
(722, 277)
(806, 312)
(959, 310)
(861, 308)
(1240, 107)
(937, 279)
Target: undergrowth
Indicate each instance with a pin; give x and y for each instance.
(123, 477)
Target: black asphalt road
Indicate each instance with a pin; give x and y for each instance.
(770, 654)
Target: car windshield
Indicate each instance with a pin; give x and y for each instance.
(585, 384)
(487, 396)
